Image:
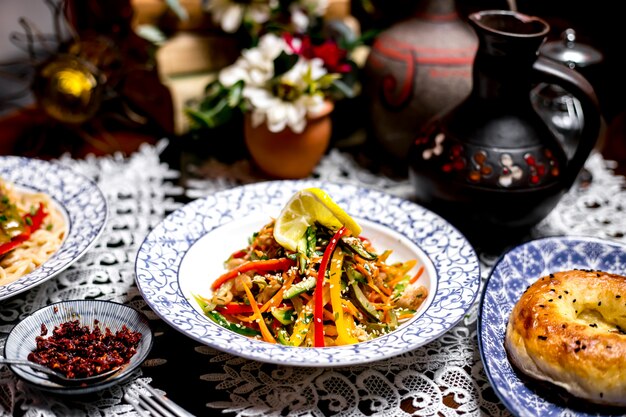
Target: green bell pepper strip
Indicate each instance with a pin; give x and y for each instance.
(318, 295)
(234, 327)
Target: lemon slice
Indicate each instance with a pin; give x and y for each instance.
(305, 208)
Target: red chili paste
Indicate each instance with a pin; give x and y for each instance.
(79, 352)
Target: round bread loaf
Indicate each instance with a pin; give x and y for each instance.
(569, 328)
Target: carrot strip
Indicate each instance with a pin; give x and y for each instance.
(278, 297)
(416, 276)
(267, 336)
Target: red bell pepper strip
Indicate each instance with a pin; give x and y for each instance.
(280, 264)
(32, 222)
(35, 220)
(239, 254)
(235, 308)
(318, 322)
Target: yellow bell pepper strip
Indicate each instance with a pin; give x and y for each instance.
(303, 324)
(336, 264)
(32, 222)
(318, 295)
(280, 264)
(267, 336)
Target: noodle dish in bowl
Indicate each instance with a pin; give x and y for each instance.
(307, 273)
(49, 216)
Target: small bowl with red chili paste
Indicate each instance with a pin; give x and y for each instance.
(80, 339)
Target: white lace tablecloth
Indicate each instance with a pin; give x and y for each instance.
(443, 378)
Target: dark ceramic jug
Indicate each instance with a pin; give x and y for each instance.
(491, 165)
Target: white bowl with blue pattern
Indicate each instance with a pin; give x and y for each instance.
(102, 314)
(79, 199)
(186, 252)
(512, 274)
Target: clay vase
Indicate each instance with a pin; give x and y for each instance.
(287, 154)
(492, 166)
(416, 69)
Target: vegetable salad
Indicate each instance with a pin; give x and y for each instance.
(334, 290)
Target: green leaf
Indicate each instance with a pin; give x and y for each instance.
(327, 80)
(343, 88)
(213, 88)
(177, 8)
(235, 94)
(284, 62)
(219, 114)
(197, 119)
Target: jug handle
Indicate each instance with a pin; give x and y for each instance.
(574, 83)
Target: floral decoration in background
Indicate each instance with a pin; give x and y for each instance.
(256, 16)
(280, 81)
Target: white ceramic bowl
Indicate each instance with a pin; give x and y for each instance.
(185, 253)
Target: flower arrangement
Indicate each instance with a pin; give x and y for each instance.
(296, 16)
(280, 81)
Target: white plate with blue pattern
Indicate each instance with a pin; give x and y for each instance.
(79, 199)
(512, 274)
(186, 251)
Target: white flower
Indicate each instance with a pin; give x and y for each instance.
(302, 10)
(255, 66)
(279, 101)
(298, 74)
(314, 7)
(299, 20)
(230, 14)
(279, 112)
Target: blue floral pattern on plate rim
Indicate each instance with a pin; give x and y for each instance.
(455, 261)
(511, 275)
(79, 198)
